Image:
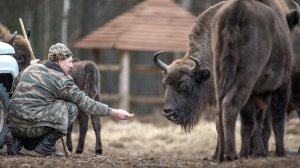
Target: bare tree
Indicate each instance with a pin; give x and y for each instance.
(65, 20)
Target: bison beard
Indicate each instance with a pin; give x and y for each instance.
(252, 58)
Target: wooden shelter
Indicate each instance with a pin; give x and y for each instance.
(152, 25)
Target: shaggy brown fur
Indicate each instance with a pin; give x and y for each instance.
(200, 48)
(295, 94)
(252, 52)
(189, 93)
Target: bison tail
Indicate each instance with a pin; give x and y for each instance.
(92, 84)
(226, 50)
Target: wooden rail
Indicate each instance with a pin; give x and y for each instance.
(138, 99)
(124, 68)
(134, 69)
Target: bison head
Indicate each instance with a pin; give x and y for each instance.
(22, 52)
(185, 83)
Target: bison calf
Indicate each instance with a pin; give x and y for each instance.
(87, 78)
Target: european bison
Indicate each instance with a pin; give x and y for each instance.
(87, 77)
(252, 60)
(190, 91)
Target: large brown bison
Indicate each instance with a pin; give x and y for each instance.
(189, 85)
(189, 89)
(87, 78)
(252, 58)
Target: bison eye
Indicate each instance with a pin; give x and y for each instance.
(184, 87)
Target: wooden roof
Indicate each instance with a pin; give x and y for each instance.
(151, 25)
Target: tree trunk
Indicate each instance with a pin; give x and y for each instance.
(65, 21)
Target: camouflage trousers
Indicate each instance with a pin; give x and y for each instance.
(60, 110)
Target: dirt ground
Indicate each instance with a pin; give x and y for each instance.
(155, 142)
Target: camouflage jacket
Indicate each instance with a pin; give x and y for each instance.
(38, 87)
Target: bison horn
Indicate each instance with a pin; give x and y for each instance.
(197, 63)
(28, 33)
(297, 5)
(159, 63)
(12, 38)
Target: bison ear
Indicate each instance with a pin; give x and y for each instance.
(203, 75)
(28, 33)
(12, 38)
(292, 19)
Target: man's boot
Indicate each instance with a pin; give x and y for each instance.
(31, 143)
(13, 144)
(46, 146)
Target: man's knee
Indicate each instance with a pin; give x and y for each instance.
(29, 133)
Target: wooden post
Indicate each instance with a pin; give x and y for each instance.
(64, 147)
(124, 81)
(26, 39)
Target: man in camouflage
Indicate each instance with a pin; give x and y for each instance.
(45, 103)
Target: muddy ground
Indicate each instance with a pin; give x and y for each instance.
(155, 142)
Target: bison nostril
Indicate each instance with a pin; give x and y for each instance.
(166, 111)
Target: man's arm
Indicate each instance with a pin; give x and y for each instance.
(70, 92)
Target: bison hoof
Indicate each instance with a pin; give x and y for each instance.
(99, 151)
(280, 153)
(78, 151)
(256, 155)
(231, 157)
(244, 156)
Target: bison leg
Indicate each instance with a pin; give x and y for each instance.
(215, 156)
(278, 107)
(69, 138)
(232, 104)
(258, 145)
(228, 109)
(97, 129)
(266, 134)
(220, 142)
(266, 131)
(247, 127)
(83, 126)
(230, 113)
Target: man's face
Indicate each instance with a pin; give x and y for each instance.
(66, 64)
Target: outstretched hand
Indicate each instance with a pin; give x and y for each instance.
(121, 114)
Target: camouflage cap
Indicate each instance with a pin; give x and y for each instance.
(59, 52)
